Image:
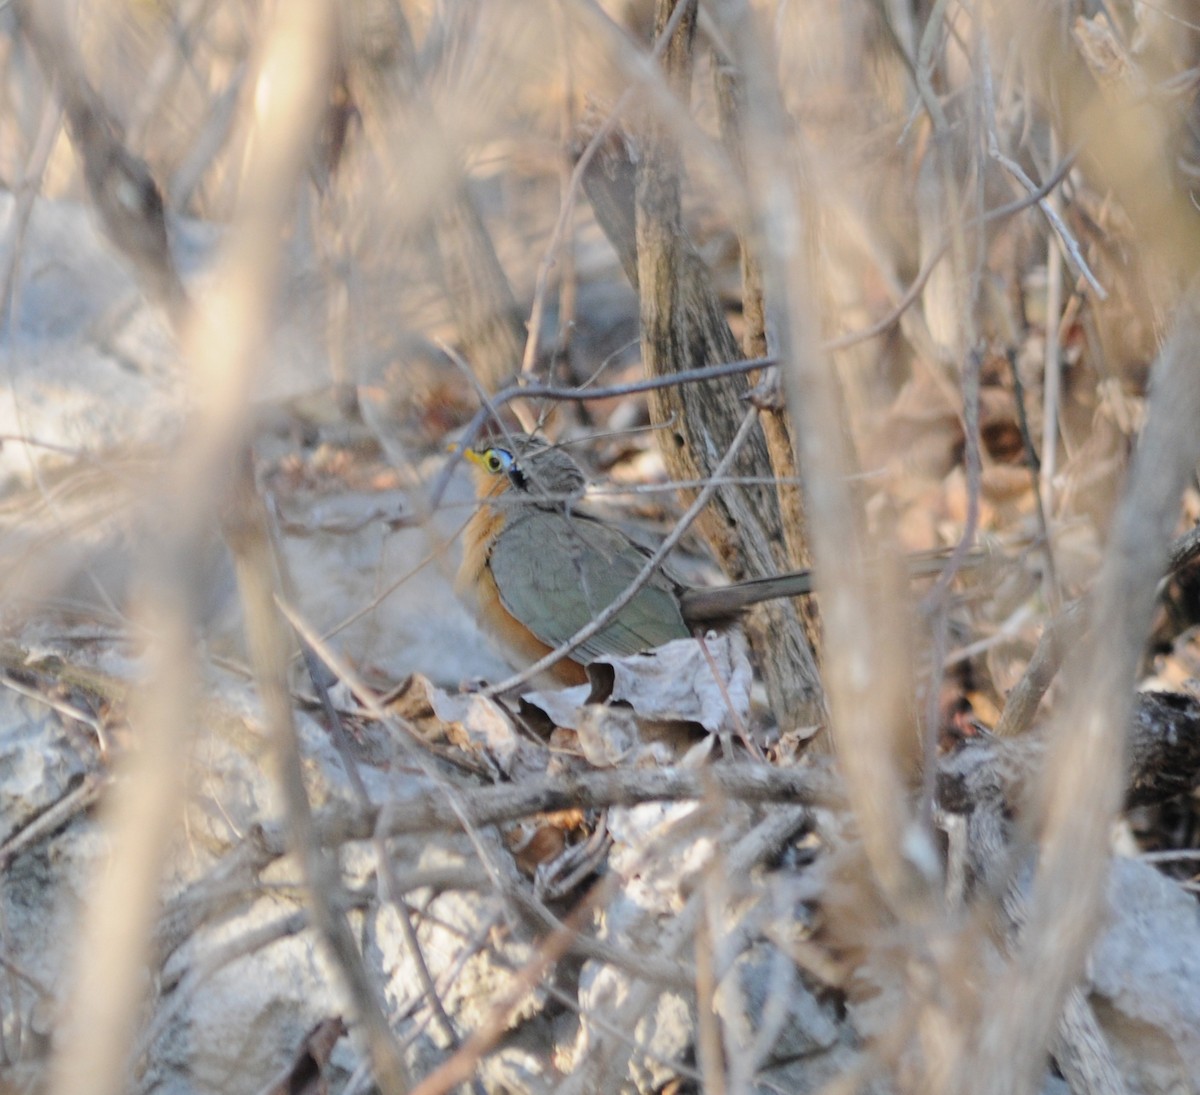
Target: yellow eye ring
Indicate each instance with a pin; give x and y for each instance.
(494, 461)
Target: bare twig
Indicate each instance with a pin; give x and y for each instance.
(92, 1052)
(1046, 204)
(571, 190)
(1084, 772)
(123, 191)
(812, 785)
(248, 533)
(864, 670)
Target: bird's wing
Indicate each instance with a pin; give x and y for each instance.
(556, 574)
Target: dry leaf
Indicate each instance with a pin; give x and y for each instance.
(676, 682)
(607, 735)
(472, 722)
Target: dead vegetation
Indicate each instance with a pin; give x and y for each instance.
(841, 282)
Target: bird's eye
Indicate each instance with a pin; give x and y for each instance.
(499, 460)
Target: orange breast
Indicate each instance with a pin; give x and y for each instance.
(477, 587)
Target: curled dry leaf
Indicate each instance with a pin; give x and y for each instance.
(1102, 50)
(677, 682)
(562, 706)
(474, 723)
(919, 437)
(607, 735)
(672, 684)
(537, 841)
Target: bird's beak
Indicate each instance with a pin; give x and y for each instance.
(455, 448)
(476, 458)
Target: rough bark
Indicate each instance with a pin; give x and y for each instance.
(637, 202)
(757, 342)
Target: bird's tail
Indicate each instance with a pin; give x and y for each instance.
(703, 606)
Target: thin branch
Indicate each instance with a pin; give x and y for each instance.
(1084, 770)
(715, 372)
(567, 206)
(814, 784)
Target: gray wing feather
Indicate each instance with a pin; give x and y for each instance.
(556, 575)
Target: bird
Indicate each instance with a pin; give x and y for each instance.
(537, 568)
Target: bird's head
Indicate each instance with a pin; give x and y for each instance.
(528, 466)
